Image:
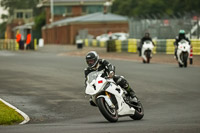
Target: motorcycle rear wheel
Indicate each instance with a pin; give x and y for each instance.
(139, 112)
(110, 114)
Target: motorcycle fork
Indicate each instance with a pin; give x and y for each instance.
(107, 94)
(112, 98)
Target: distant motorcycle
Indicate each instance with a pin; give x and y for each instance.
(183, 53)
(147, 49)
(111, 99)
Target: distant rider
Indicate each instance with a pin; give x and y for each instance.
(180, 37)
(96, 64)
(145, 38)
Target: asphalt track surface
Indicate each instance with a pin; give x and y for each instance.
(50, 89)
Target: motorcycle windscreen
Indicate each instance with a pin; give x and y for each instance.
(93, 83)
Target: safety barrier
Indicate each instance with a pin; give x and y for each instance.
(11, 44)
(130, 45)
(95, 43)
(196, 46)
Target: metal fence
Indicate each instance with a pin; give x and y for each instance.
(163, 28)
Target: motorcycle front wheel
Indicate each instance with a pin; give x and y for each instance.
(180, 65)
(185, 58)
(109, 113)
(148, 55)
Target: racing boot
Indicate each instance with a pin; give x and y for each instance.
(131, 93)
(122, 82)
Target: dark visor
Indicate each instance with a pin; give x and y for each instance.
(90, 62)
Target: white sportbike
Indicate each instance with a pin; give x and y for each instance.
(111, 99)
(147, 49)
(183, 53)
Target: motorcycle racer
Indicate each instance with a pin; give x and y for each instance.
(178, 39)
(96, 64)
(145, 38)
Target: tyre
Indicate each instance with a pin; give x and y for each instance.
(181, 58)
(139, 112)
(148, 55)
(185, 58)
(109, 113)
(185, 64)
(180, 65)
(148, 59)
(144, 61)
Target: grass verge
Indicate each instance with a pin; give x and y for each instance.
(9, 116)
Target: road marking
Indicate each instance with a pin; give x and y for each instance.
(26, 117)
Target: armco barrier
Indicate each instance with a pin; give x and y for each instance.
(94, 43)
(11, 44)
(170, 46)
(155, 47)
(130, 45)
(111, 47)
(1, 45)
(196, 46)
(161, 46)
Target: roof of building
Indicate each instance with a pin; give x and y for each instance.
(71, 2)
(25, 26)
(95, 17)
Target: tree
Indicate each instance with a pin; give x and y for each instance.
(18, 4)
(146, 8)
(2, 30)
(11, 5)
(40, 21)
(125, 7)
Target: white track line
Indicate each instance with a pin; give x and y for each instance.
(26, 118)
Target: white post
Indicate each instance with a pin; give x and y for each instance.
(52, 14)
(107, 6)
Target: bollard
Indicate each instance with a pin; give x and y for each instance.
(35, 44)
(16, 45)
(79, 44)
